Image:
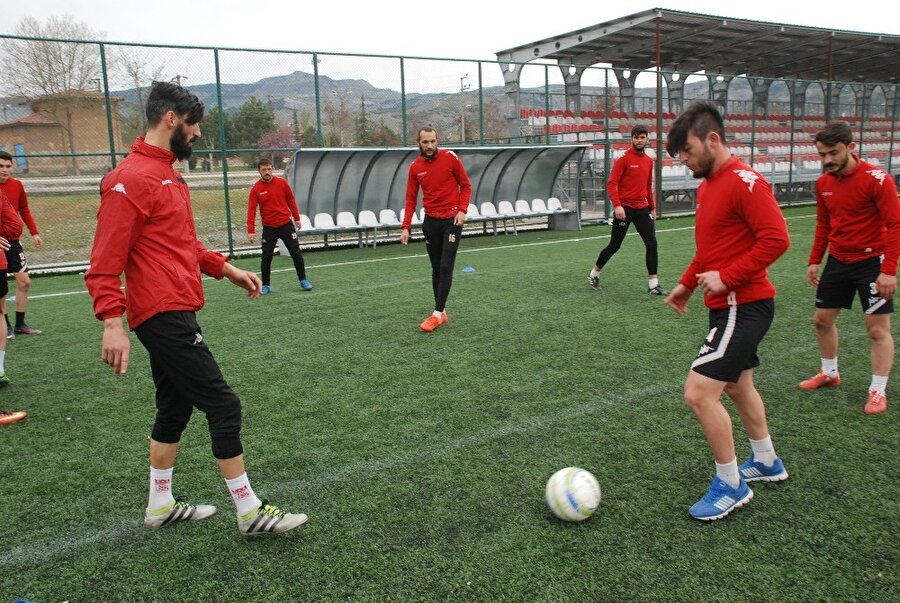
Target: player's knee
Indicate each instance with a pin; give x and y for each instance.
(879, 332)
(822, 322)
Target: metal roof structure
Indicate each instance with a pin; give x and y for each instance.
(692, 42)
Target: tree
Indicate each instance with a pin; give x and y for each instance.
(282, 138)
(209, 129)
(384, 136)
(249, 123)
(363, 125)
(134, 67)
(64, 72)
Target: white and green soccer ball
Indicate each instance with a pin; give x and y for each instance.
(573, 494)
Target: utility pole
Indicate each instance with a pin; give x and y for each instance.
(178, 78)
(463, 86)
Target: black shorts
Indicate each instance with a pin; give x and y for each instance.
(840, 281)
(15, 258)
(734, 335)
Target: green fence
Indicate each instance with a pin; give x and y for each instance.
(67, 130)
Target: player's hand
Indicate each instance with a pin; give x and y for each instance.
(4, 244)
(619, 212)
(38, 241)
(116, 345)
(653, 214)
(678, 298)
(886, 285)
(812, 275)
(243, 279)
(404, 236)
(251, 236)
(710, 282)
(460, 218)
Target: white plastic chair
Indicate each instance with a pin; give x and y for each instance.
(522, 207)
(367, 221)
(388, 217)
(508, 212)
(539, 207)
(554, 205)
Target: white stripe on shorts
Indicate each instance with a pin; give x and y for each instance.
(723, 343)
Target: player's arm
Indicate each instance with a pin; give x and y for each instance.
(889, 209)
(612, 187)
(412, 193)
(251, 215)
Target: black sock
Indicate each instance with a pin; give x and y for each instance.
(6, 316)
(20, 319)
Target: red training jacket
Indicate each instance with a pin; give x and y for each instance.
(857, 217)
(15, 192)
(446, 189)
(740, 231)
(630, 181)
(145, 228)
(7, 212)
(276, 203)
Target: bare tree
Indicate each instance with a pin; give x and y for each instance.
(53, 69)
(134, 65)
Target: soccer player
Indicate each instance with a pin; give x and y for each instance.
(630, 188)
(445, 196)
(145, 228)
(15, 255)
(280, 220)
(739, 232)
(858, 221)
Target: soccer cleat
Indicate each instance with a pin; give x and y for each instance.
(176, 511)
(26, 330)
(433, 322)
(4, 380)
(657, 290)
(877, 403)
(10, 334)
(720, 500)
(11, 416)
(305, 284)
(269, 519)
(820, 379)
(265, 290)
(594, 282)
(755, 471)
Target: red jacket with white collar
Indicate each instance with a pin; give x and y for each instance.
(857, 217)
(446, 189)
(145, 228)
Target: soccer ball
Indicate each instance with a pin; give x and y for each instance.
(573, 494)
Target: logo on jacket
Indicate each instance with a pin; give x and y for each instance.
(166, 181)
(119, 188)
(198, 338)
(878, 175)
(749, 177)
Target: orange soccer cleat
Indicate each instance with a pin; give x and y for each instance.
(433, 322)
(877, 403)
(7, 417)
(820, 379)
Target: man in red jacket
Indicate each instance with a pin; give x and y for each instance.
(630, 189)
(145, 228)
(15, 255)
(445, 196)
(739, 232)
(858, 221)
(280, 220)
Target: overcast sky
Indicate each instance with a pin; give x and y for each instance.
(466, 29)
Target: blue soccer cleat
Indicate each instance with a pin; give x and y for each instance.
(754, 471)
(265, 290)
(720, 500)
(305, 284)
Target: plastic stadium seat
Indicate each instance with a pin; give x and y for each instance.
(539, 207)
(388, 217)
(305, 223)
(508, 212)
(324, 221)
(367, 221)
(522, 207)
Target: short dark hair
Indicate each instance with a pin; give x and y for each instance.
(428, 128)
(835, 132)
(166, 96)
(5, 155)
(264, 161)
(699, 119)
(638, 130)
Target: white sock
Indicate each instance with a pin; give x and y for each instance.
(829, 366)
(763, 450)
(879, 383)
(2, 361)
(594, 272)
(728, 473)
(653, 282)
(160, 488)
(436, 314)
(244, 498)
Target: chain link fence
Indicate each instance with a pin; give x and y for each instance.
(73, 119)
